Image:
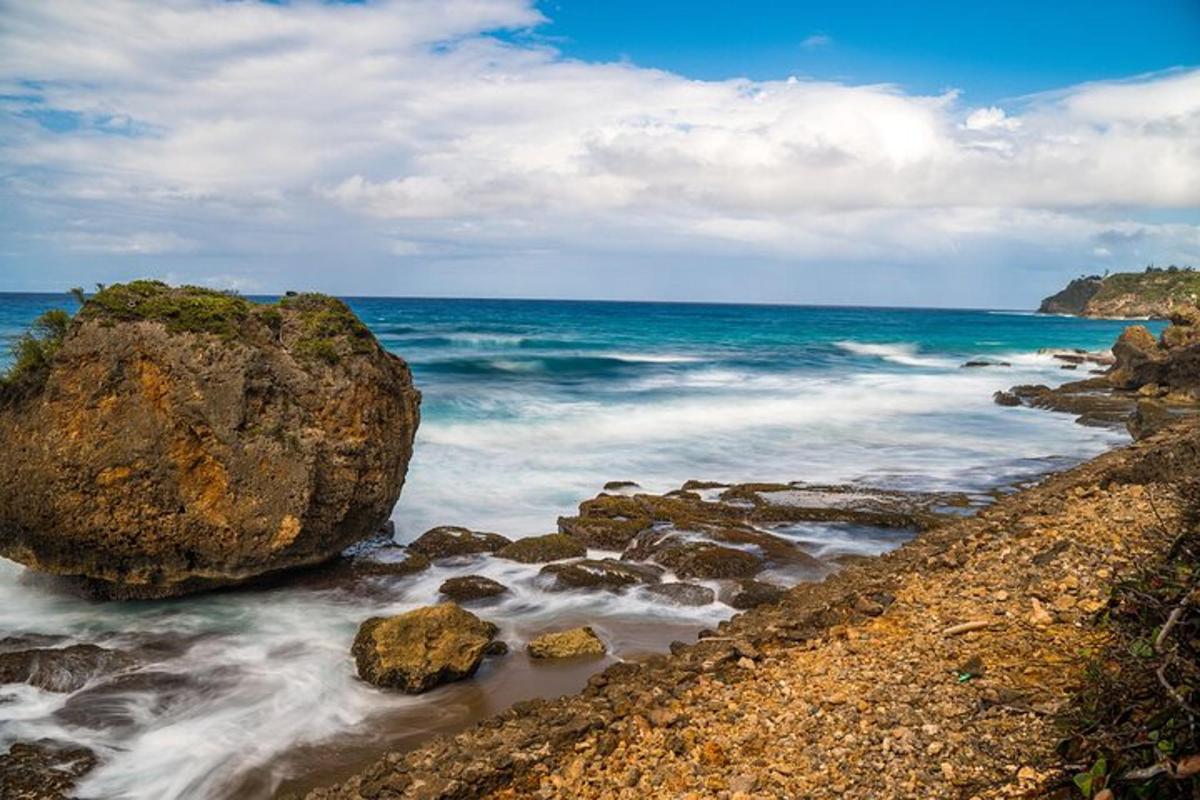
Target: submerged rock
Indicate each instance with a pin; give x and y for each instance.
(182, 439)
(539, 549)
(417, 651)
(60, 669)
(567, 644)
(448, 541)
(683, 594)
(608, 573)
(471, 587)
(1009, 399)
(389, 560)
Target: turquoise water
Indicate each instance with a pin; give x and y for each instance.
(529, 408)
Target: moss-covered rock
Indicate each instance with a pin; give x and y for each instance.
(417, 651)
(567, 644)
(539, 549)
(448, 541)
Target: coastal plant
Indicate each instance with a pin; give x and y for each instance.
(1133, 727)
(32, 354)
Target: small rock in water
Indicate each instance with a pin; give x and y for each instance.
(607, 573)
(618, 486)
(62, 669)
(566, 644)
(683, 594)
(417, 651)
(748, 594)
(1006, 399)
(471, 587)
(448, 541)
(539, 549)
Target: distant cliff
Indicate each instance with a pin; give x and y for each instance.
(1153, 293)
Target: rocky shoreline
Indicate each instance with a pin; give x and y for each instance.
(932, 671)
(937, 670)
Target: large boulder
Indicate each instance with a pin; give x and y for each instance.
(567, 644)
(417, 651)
(448, 541)
(177, 439)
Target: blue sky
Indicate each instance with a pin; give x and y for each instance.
(991, 51)
(954, 154)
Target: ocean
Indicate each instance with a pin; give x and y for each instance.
(530, 407)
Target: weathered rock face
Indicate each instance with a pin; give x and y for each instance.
(567, 644)
(184, 439)
(417, 651)
(607, 573)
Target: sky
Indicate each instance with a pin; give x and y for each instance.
(934, 154)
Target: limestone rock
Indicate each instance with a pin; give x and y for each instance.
(567, 644)
(417, 651)
(181, 439)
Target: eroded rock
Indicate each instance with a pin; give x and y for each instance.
(417, 651)
(747, 594)
(182, 439)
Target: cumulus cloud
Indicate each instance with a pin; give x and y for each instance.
(409, 128)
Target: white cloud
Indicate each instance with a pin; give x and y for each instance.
(816, 40)
(140, 243)
(404, 128)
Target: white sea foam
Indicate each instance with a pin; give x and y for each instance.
(897, 353)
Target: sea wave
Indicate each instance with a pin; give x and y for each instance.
(897, 353)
